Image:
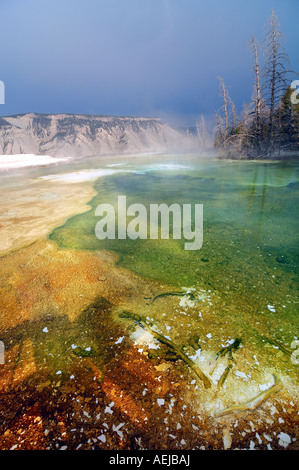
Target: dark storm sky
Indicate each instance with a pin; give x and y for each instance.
(133, 57)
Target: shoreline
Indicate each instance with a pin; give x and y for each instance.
(30, 213)
(18, 161)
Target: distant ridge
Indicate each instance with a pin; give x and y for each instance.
(80, 135)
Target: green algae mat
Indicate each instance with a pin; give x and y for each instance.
(249, 258)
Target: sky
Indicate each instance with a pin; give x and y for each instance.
(157, 58)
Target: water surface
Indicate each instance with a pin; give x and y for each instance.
(72, 353)
(249, 258)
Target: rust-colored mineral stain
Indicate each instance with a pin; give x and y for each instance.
(124, 402)
(68, 357)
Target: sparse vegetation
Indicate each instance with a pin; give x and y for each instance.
(269, 125)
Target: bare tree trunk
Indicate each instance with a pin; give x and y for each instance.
(275, 76)
(225, 106)
(273, 73)
(202, 132)
(198, 134)
(258, 97)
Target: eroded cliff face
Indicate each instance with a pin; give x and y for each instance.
(60, 135)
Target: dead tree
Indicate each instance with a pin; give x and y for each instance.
(202, 133)
(275, 76)
(227, 123)
(257, 97)
(224, 92)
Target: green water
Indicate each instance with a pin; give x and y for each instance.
(249, 257)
